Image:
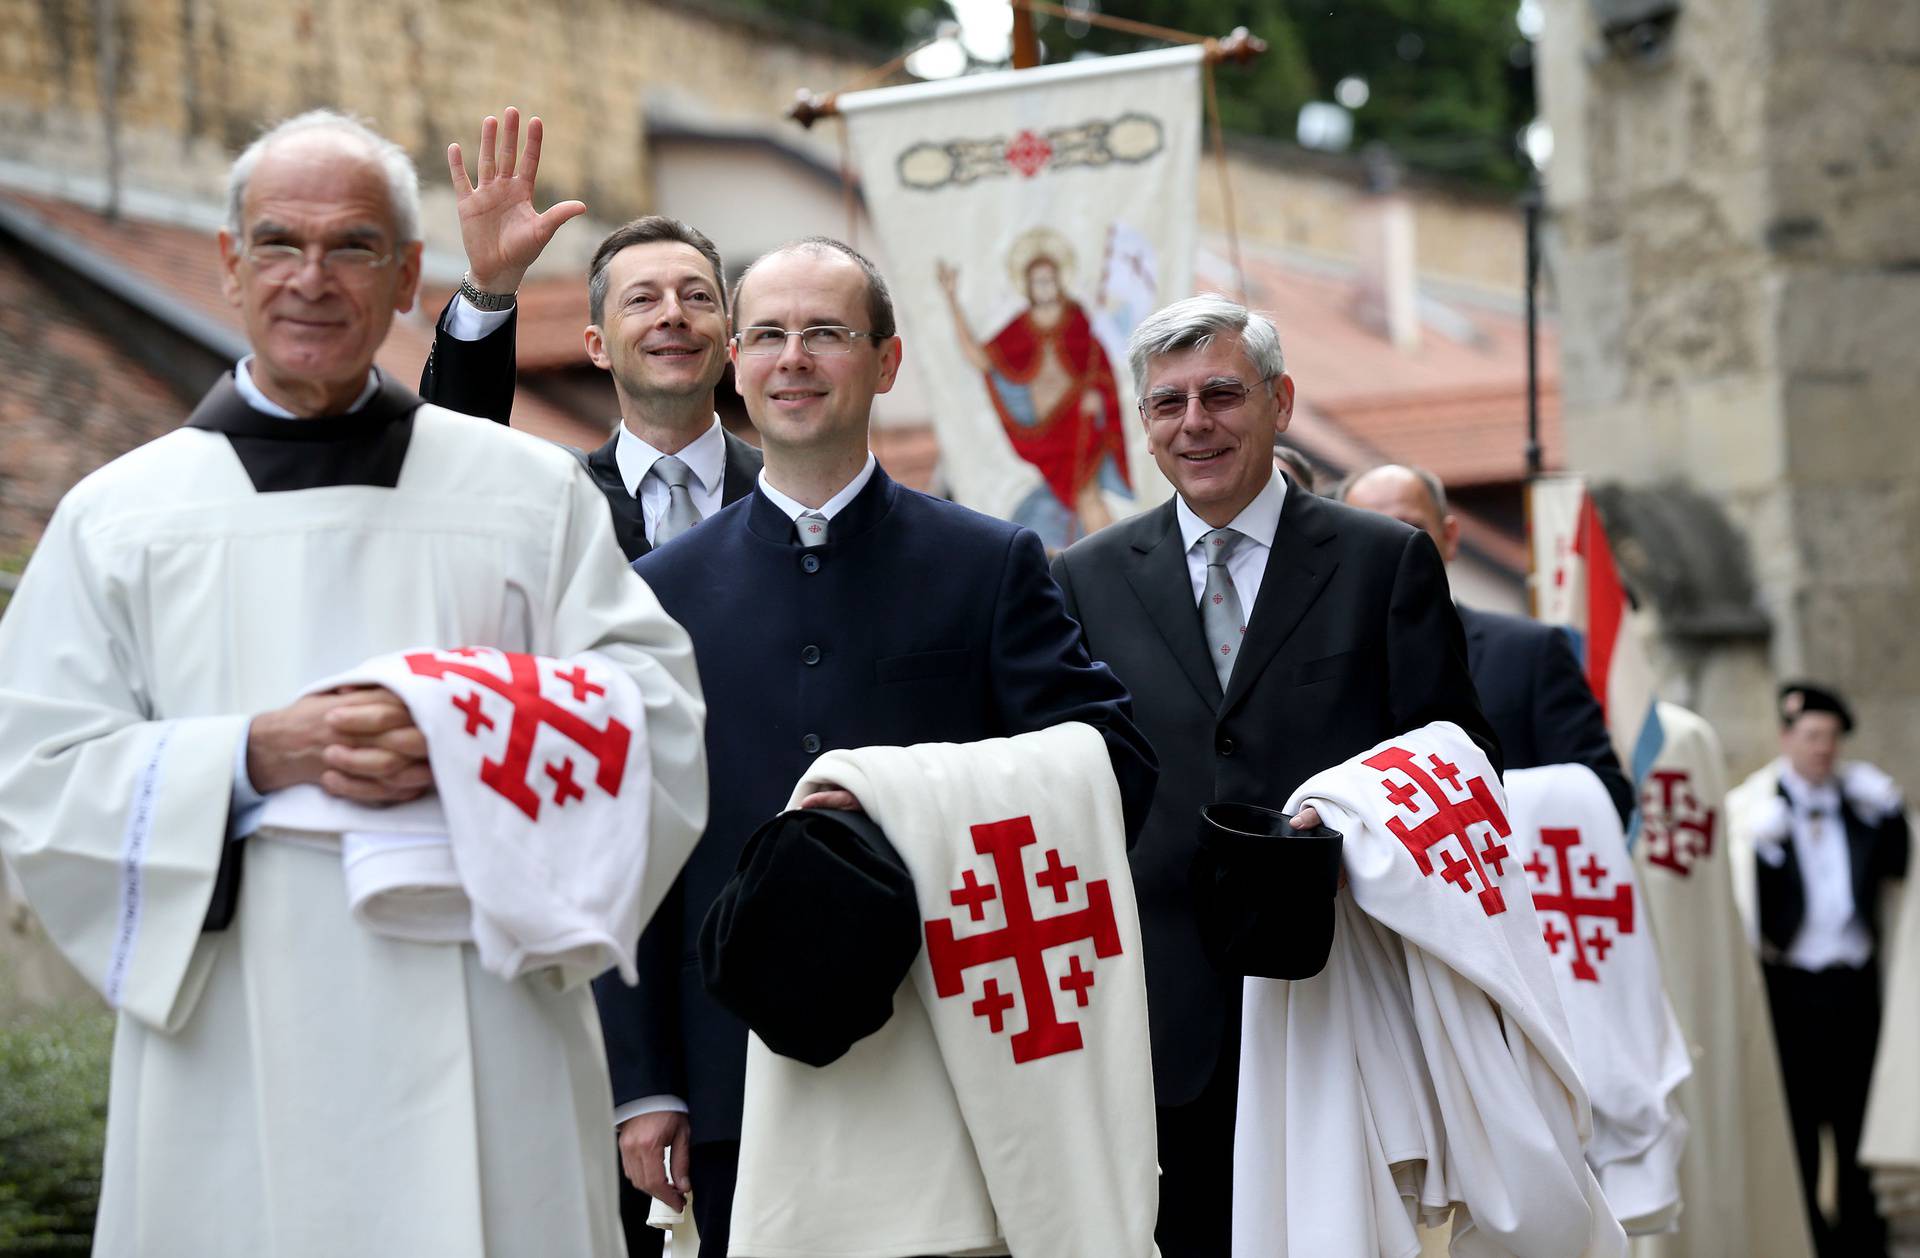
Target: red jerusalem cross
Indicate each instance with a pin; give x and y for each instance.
(1025, 938)
(1028, 153)
(1679, 832)
(1452, 819)
(531, 710)
(1570, 905)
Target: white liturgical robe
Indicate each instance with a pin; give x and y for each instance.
(294, 1084)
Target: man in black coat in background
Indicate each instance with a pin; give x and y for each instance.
(1265, 634)
(1531, 686)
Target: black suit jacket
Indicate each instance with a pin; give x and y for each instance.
(1875, 853)
(918, 621)
(477, 378)
(1537, 699)
(1352, 639)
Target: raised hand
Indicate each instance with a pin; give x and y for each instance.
(501, 230)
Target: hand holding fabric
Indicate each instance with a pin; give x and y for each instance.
(358, 743)
(645, 1140)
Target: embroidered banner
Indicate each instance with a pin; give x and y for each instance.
(1030, 220)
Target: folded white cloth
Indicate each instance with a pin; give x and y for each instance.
(1429, 1066)
(1008, 1103)
(1626, 1040)
(534, 844)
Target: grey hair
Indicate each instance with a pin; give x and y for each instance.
(403, 182)
(1436, 491)
(1193, 323)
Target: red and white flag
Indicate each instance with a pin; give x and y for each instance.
(1577, 585)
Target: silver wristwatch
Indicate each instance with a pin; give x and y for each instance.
(480, 299)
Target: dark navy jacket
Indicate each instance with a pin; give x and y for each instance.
(918, 621)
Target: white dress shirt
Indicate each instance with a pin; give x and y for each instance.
(705, 456)
(467, 322)
(833, 506)
(1832, 932)
(1248, 563)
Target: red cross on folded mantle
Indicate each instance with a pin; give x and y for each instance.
(1057, 877)
(1452, 819)
(564, 787)
(577, 678)
(973, 897)
(1573, 908)
(993, 1005)
(1025, 940)
(1678, 832)
(531, 710)
(1077, 980)
(476, 719)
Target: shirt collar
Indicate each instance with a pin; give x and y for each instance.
(1805, 792)
(834, 505)
(250, 392)
(705, 456)
(1258, 520)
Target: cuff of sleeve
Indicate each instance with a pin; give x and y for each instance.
(243, 815)
(660, 1103)
(467, 322)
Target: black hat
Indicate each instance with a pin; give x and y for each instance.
(1798, 698)
(813, 934)
(1263, 892)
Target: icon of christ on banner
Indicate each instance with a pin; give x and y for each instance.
(1052, 385)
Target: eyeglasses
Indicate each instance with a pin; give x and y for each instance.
(281, 261)
(826, 338)
(1214, 399)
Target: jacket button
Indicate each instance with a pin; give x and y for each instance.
(810, 563)
(1223, 745)
(810, 654)
(810, 744)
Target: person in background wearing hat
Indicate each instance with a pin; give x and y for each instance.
(1824, 835)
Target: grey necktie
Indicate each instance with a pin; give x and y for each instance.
(681, 514)
(1220, 603)
(813, 529)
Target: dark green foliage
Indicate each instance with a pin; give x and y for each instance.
(53, 1112)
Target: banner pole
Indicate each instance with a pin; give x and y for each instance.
(1026, 44)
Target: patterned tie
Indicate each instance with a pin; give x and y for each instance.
(1220, 603)
(681, 514)
(813, 529)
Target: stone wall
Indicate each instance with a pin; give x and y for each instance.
(199, 78)
(1734, 256)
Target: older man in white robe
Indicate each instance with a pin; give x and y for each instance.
(285, 1080)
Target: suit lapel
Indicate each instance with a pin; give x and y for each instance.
(740, 471)
(1158, 575)
(629, 525)
(1297, 572)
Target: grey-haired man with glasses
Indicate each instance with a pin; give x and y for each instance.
(1265, 634)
